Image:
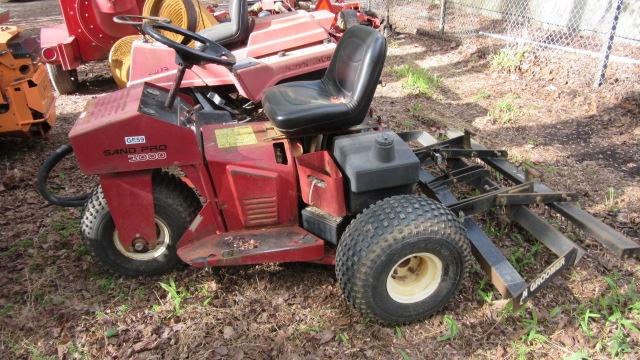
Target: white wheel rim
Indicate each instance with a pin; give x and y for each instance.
(414, 278)
(161, 245)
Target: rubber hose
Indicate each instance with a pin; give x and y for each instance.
(43, 176)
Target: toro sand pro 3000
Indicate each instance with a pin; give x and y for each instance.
(318, 182)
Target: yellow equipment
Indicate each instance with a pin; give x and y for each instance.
(28, 105)
(188, 14)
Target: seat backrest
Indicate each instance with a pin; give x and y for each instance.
(240, 20)
(356, 67)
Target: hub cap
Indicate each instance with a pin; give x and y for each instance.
(163, 242)
(414, 278)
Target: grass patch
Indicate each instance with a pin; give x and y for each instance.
(483, 94)
(505, 111)
(65, 226)
(507, 59)
(418, 79)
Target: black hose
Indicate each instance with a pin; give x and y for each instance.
(43, 176)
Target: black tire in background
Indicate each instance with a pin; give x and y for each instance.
(175, 204)
(347, 19)
(65, 82)
(410, 233)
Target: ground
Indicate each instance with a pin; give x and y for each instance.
(56, 301)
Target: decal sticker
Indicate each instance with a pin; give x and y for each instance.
(134, 150)
(147, 157)
(235, 136)
(134, 140)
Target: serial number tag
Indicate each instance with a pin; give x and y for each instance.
(134, 140)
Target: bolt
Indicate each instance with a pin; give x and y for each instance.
(140, 245)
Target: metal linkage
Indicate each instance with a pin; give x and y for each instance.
(450, 155)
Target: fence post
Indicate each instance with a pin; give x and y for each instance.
(443, 11)
(607, 47)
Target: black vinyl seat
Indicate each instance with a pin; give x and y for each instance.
(341, 98)
(235, 31)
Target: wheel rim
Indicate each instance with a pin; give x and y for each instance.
(161, 246)
(414, 278)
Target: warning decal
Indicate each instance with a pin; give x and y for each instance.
(235, 136)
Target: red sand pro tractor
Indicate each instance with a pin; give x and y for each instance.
(319, 181)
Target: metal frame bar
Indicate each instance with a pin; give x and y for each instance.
(524, 192)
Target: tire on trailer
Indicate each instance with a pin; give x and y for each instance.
(64, 81)
(175, 204)
(347, 19)
(402, 259)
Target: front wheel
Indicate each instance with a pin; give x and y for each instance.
(402, 259)
(175, 207)
(64, 81)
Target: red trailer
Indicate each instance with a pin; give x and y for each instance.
(87, 34)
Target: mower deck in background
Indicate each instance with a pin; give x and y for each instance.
(27, 106)
(321, 181)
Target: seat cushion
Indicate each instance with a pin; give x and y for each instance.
(220, 33)
(341, 99)
(305, 107)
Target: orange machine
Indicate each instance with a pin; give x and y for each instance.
(27, 103)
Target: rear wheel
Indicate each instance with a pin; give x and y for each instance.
(64, 81)
(402, 259)
(175, 207)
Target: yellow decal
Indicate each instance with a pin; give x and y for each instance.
(235, 136)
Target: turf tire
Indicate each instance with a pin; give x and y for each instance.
(175, 204)
(65, 82)
(384, 234)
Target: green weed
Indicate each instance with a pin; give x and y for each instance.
(505, 111)
(404, 355)
(342, 338)
(578, 355)
(122, 309)
(585, 320)
(107, 283)
(310, 329)
(610, 199)
(398, 332)
(6, 310)
(35, 354)
(507, 59)
(532, 327)
(111, 332)
(486, 296)
(65, 226)
(418, 79)
(483, 94)
(177, 296)
(453, 328)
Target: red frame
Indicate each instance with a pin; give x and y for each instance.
(249, 188)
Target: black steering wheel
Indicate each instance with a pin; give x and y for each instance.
(207, 51)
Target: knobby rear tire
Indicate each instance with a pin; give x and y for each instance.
(378, 240)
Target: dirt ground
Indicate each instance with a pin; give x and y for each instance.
(57, 302)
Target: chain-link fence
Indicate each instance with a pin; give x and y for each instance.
(607, 30)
